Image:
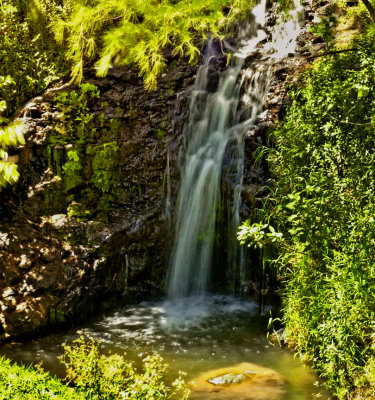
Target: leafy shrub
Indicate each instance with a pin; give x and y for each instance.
(93, 375)
(108, 377)
(72, 170)
(19, 382)
(92, 162)
(323, 203)
(325, 27)
(75, 122)
(28, 53)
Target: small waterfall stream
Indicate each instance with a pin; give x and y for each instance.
(200, 334)
(218, 121)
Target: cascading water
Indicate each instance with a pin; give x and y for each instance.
(199, 335)
(217, 123)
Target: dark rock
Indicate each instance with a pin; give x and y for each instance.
(56, 270)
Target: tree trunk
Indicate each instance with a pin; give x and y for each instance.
(370, 8)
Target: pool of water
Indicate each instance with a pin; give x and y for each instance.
(194, 335)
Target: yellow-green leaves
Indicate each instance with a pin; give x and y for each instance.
(323, 201)
(29, 57)
(10, 135)
(111, 376)
(258, 235)
(135, 32)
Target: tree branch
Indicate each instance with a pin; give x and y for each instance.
(370, 9)
(329, 53)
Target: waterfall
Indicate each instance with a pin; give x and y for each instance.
(217, 124)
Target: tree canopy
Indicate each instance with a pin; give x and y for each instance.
(135, 32)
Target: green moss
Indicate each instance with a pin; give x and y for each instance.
(78, 211)
(84, 152)
(161, 134)
(57, 316)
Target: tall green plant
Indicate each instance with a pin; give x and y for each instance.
(323, 202)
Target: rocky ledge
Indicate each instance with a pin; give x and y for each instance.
(88, 226)
(69, 249)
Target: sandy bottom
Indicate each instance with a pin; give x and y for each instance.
(255, 383)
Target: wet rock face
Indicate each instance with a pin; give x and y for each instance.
(285, 74)
(56, 270)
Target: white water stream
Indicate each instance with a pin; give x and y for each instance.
(198, 334)
(217, 120)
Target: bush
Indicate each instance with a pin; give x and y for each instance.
(323, 204)
(18, 382)
(28, 54)
(108, 377)
(93, 376)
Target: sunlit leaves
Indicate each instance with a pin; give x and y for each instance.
(258, 235)
(11, 135)
(136, 32)
(324, 204)
(21, 382)
(29, 58)
(111, 376)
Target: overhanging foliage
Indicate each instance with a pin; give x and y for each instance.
(135, 32)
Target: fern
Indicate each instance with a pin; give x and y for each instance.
(135, 32)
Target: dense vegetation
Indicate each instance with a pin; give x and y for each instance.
(320, 213)
(29, 58)
(321, 216)
(92, 375)
(88, 178)
(136, 32)
(29, 62)
(42, 40)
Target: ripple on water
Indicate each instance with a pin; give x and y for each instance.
(195, 335)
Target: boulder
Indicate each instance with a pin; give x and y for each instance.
(243, 381)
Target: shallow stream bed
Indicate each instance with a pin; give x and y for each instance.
(194, 335)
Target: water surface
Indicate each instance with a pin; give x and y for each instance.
(194, 335)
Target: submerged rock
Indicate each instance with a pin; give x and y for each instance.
(243, 381)
(229, 379)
